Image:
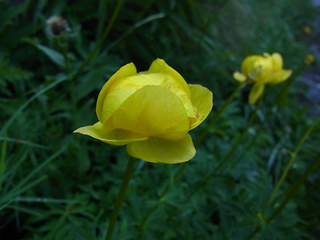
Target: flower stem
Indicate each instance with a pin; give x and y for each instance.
(292, 190)
(198, 142)
(102, 17)
(295, 187)
(215, 117)
(164, 192)
(95, 51)
(120, 197)
(229, 155)
(293, 156)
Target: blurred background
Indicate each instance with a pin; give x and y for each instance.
(56, 55)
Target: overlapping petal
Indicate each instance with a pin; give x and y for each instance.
(152, 111)
(172, 80)
(278, 76)
(115, 137)
(160, 66)
(248, 64)
(277, 61)
(103, 110)
(159, 150)
(202, 101)
(262, 70)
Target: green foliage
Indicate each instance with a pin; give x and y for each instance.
(56, 185)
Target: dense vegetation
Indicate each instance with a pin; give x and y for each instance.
(58, 185)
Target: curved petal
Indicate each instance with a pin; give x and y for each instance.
(152, 111)
(277, 61)
(160, 66)
(280, 76)
(125, 71)
(248, 64)
(202, 101)
(239, 77)
(159, 150)
(255, 92)
(262, 69)
(114, 137)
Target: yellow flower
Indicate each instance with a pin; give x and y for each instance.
(307, 29)
(262, 70)
(151, 112)
(309, 59)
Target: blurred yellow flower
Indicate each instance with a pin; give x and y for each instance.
(307, 29)
(309, 59)
(151, 112)
(262, 70)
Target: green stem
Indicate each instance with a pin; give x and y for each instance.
(229, 155)
(103, 11)
(280, 95)
(95, 51)
(293, 156)
(3, 162)
(215, 117)
(164, 192)
(292, 190)
(198, 142)
(120, 197)
(295, 187)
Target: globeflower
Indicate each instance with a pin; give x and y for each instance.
(150, 112)
(261, 70)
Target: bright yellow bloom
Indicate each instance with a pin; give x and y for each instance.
(262, 70)
(307, 29)
(151, 112)
(309, 59)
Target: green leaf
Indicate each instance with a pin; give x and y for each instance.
(55, 56)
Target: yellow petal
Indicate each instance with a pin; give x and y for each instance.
(262, 68)
(160, 66)
(114, 137)
(277, 61)
(125, 71)
(239, 77)
(278, 77)
(202, 101)
(255, 92)
(123, 87)
(248, 64)
(152, 111)
(159, 150)
(309, 59)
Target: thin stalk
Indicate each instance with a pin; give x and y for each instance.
(102, 18)
(3, 162)
(198, 142)
(284, 90)
(23, 106)
(95, 51)
(292, 190)
(120, 197)
(215, 117)
(164, 192)
(277, 99)
(293, 156)
(295, 187)
(230, 153)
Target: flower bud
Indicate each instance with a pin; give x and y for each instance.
(151, 112)
(307, 30)
(309, 59)
(262, 70)
(57, 25)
